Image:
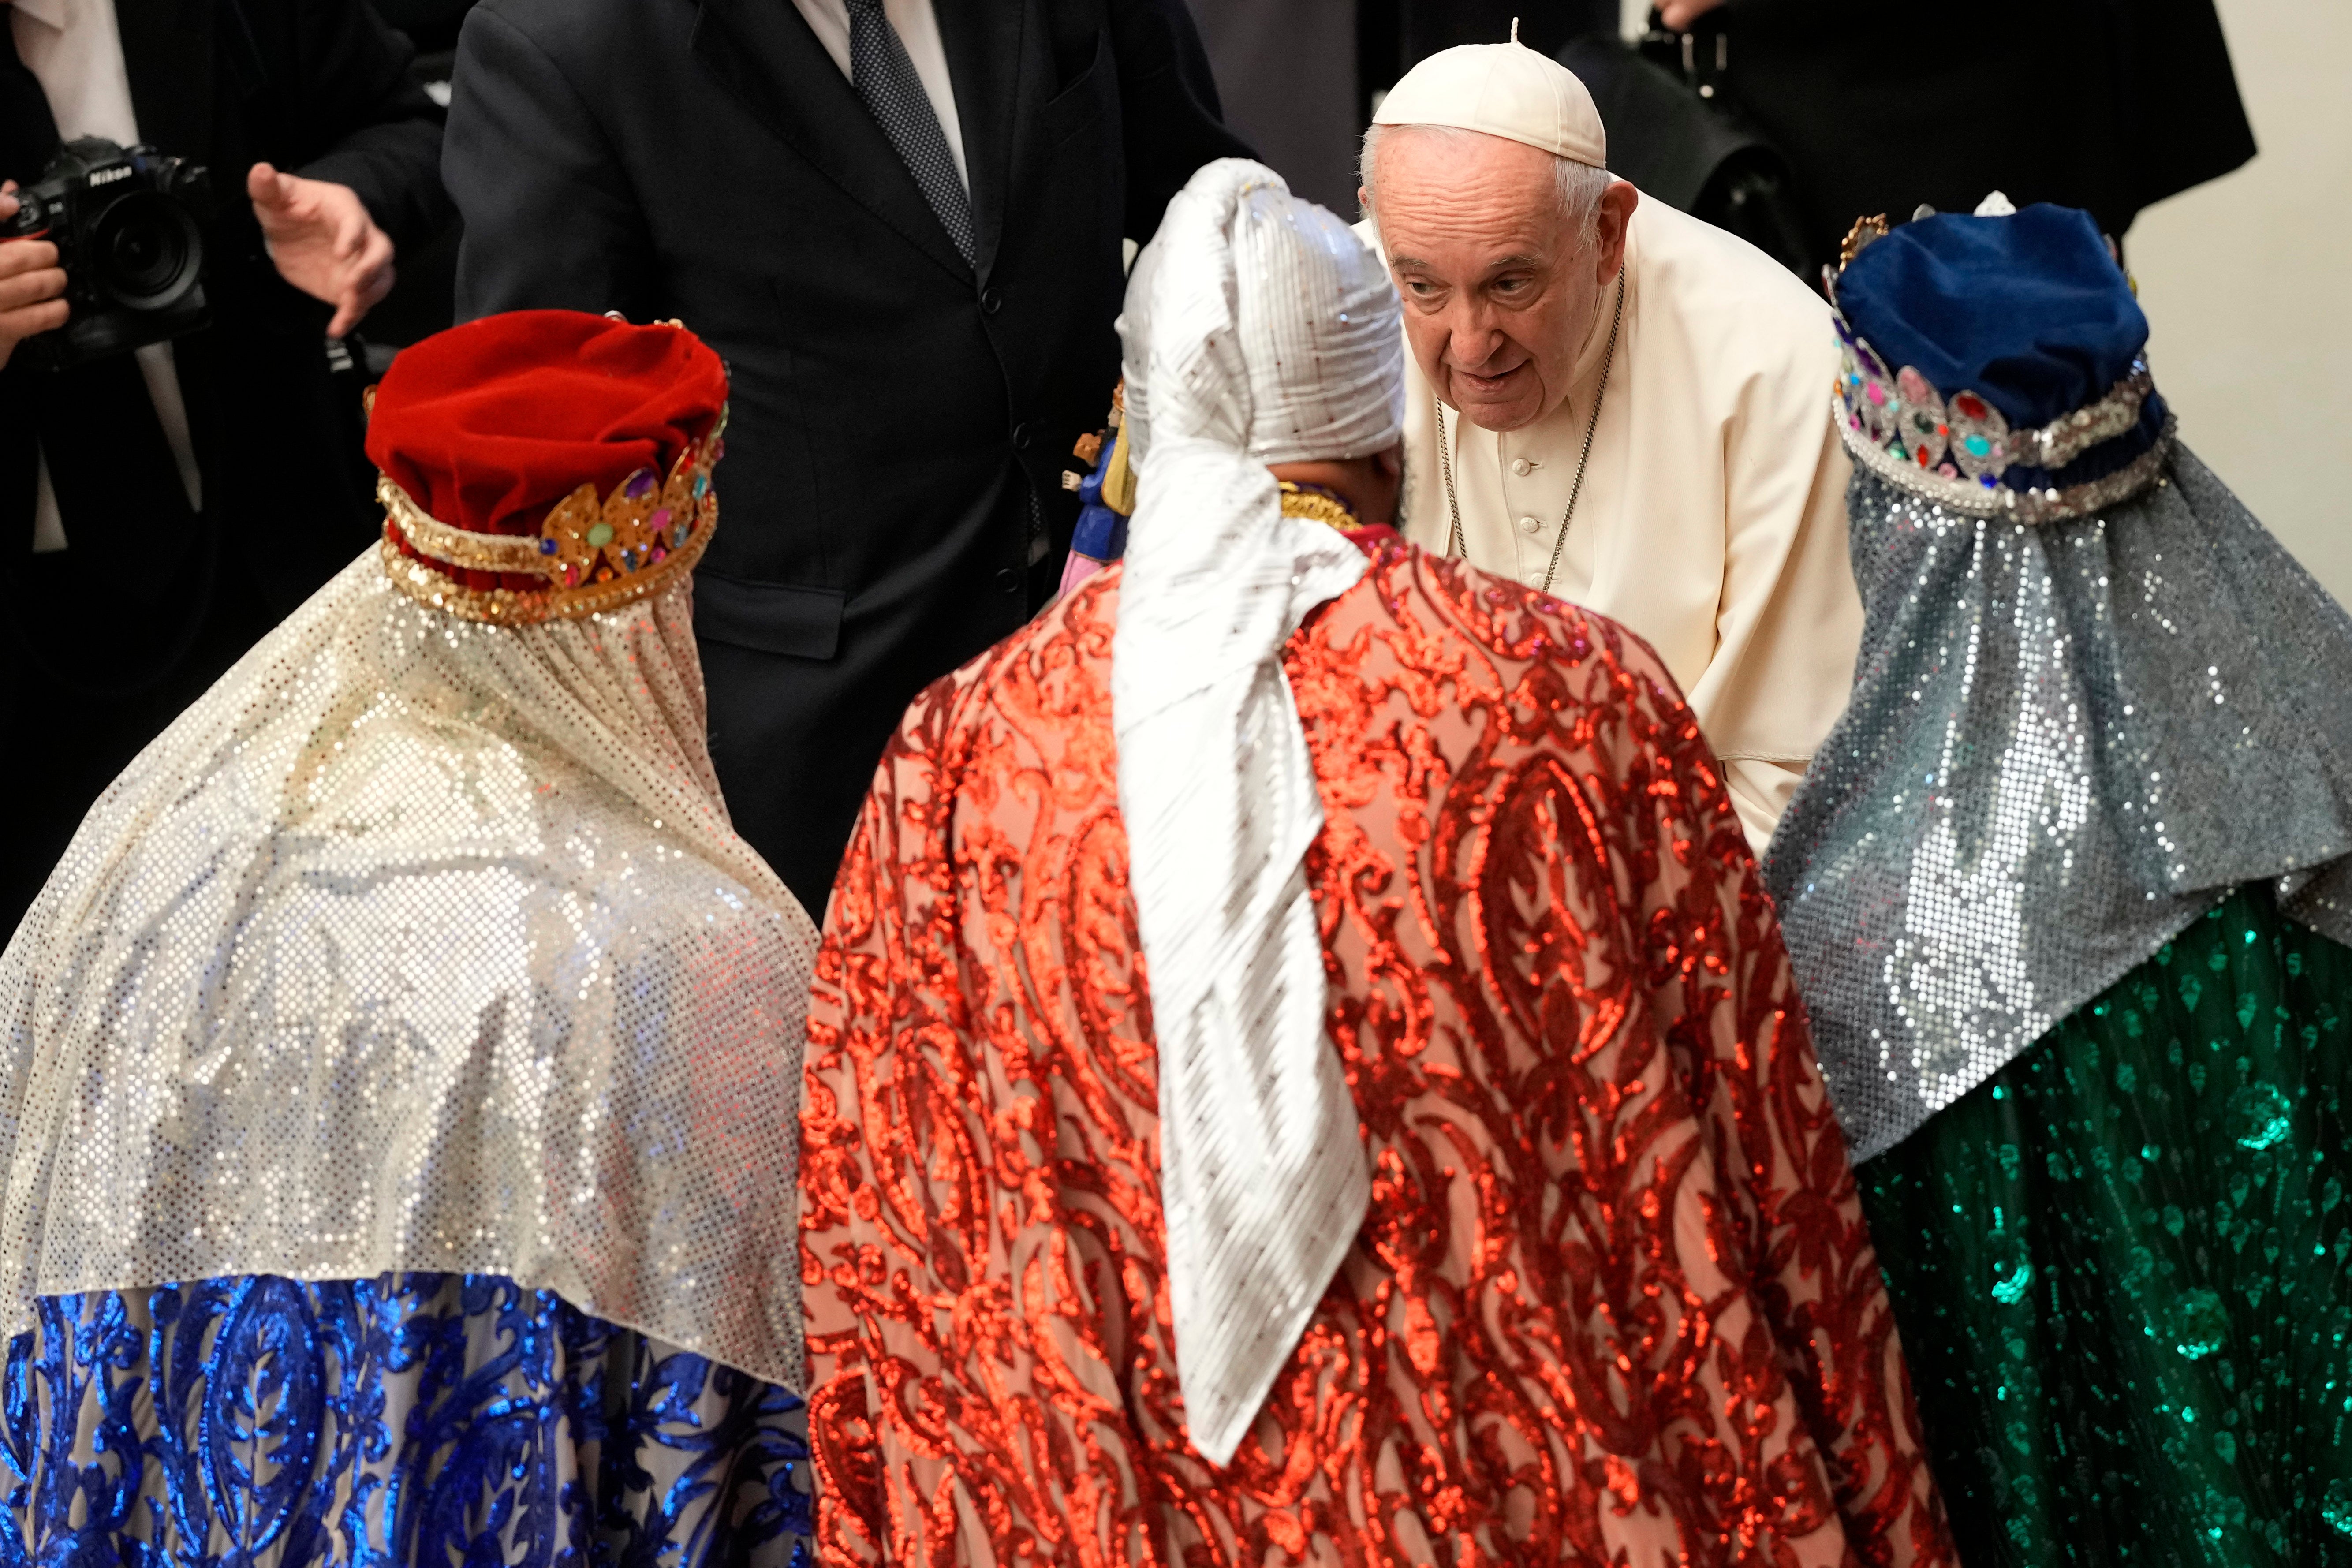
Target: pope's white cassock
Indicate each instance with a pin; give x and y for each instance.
(1712, 518)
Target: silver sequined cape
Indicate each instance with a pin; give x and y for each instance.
(2066, 741)
(420, 945)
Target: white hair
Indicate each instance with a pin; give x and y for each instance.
(1580, 185)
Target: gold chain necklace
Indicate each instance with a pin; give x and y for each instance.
(1316, 504)
(1445, 449)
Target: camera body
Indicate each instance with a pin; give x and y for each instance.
(128, 226)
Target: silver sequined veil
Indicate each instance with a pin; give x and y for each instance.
(2065, 742)
(420, 944)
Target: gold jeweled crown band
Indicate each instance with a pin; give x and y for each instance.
(595, 554)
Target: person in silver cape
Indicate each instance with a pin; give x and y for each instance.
(400, 1075)
(2067, 891)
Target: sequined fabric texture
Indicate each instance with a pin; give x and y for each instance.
(413, 1420)
(2066, 741)
(1257, 329)
(418, 944)
(1613, 1300)
(2123, 1265)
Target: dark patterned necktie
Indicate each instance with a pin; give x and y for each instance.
(884, 78)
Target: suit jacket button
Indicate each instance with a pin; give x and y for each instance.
(1024, 436)
(990, 301)
(1008, 581)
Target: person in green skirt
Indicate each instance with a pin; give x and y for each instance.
(2069, 895)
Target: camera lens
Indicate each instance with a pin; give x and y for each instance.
(146, 252)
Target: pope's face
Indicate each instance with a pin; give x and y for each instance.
(1498, 297)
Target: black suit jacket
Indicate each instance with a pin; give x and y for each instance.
(895, 410)
(2110, 105)
(108, 639)
(318, 86)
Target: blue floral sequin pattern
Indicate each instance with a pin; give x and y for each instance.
(433, 1420)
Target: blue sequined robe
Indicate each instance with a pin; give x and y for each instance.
(412, 1419)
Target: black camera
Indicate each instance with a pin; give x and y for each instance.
(128, 226)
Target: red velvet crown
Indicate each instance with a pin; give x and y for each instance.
(547, 463)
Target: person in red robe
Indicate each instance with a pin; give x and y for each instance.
(1303, 1067)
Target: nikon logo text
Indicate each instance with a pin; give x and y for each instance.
(108, 176)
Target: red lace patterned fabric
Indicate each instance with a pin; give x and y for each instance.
(1613, 1303)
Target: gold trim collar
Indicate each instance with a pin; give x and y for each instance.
(1316, 504)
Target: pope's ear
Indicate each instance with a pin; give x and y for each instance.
(1617, 204)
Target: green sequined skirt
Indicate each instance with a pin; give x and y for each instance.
(2123, 1266)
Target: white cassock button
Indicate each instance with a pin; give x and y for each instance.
(1521, 467)
(1530, 525)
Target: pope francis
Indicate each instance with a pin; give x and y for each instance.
(1615, 403)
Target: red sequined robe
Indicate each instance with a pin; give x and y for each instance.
(1614, 1301)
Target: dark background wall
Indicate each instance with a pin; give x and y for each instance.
(1288, 72)
(1298, 76)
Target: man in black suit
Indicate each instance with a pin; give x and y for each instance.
(2088, 103)
(901, 228)
(159, 513)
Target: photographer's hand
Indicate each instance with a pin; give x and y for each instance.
(323, 242)
(31, 282)
(1680, 13)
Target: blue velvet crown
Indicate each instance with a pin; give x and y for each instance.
(2022, 390)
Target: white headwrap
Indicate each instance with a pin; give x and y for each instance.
(1258, 330)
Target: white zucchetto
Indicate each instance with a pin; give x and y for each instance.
(1501, 90)
(1258, 330)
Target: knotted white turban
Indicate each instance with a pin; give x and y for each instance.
(1258, 330)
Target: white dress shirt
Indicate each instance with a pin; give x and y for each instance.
(918, 30)
(75, 51)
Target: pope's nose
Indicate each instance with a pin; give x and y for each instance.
(1482, 352)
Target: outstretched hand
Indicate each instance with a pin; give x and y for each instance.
(31, 282)
(323, 242)
(1679, 14)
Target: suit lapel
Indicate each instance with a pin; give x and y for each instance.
(763, 52)
(983, 43)
(168, 48)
